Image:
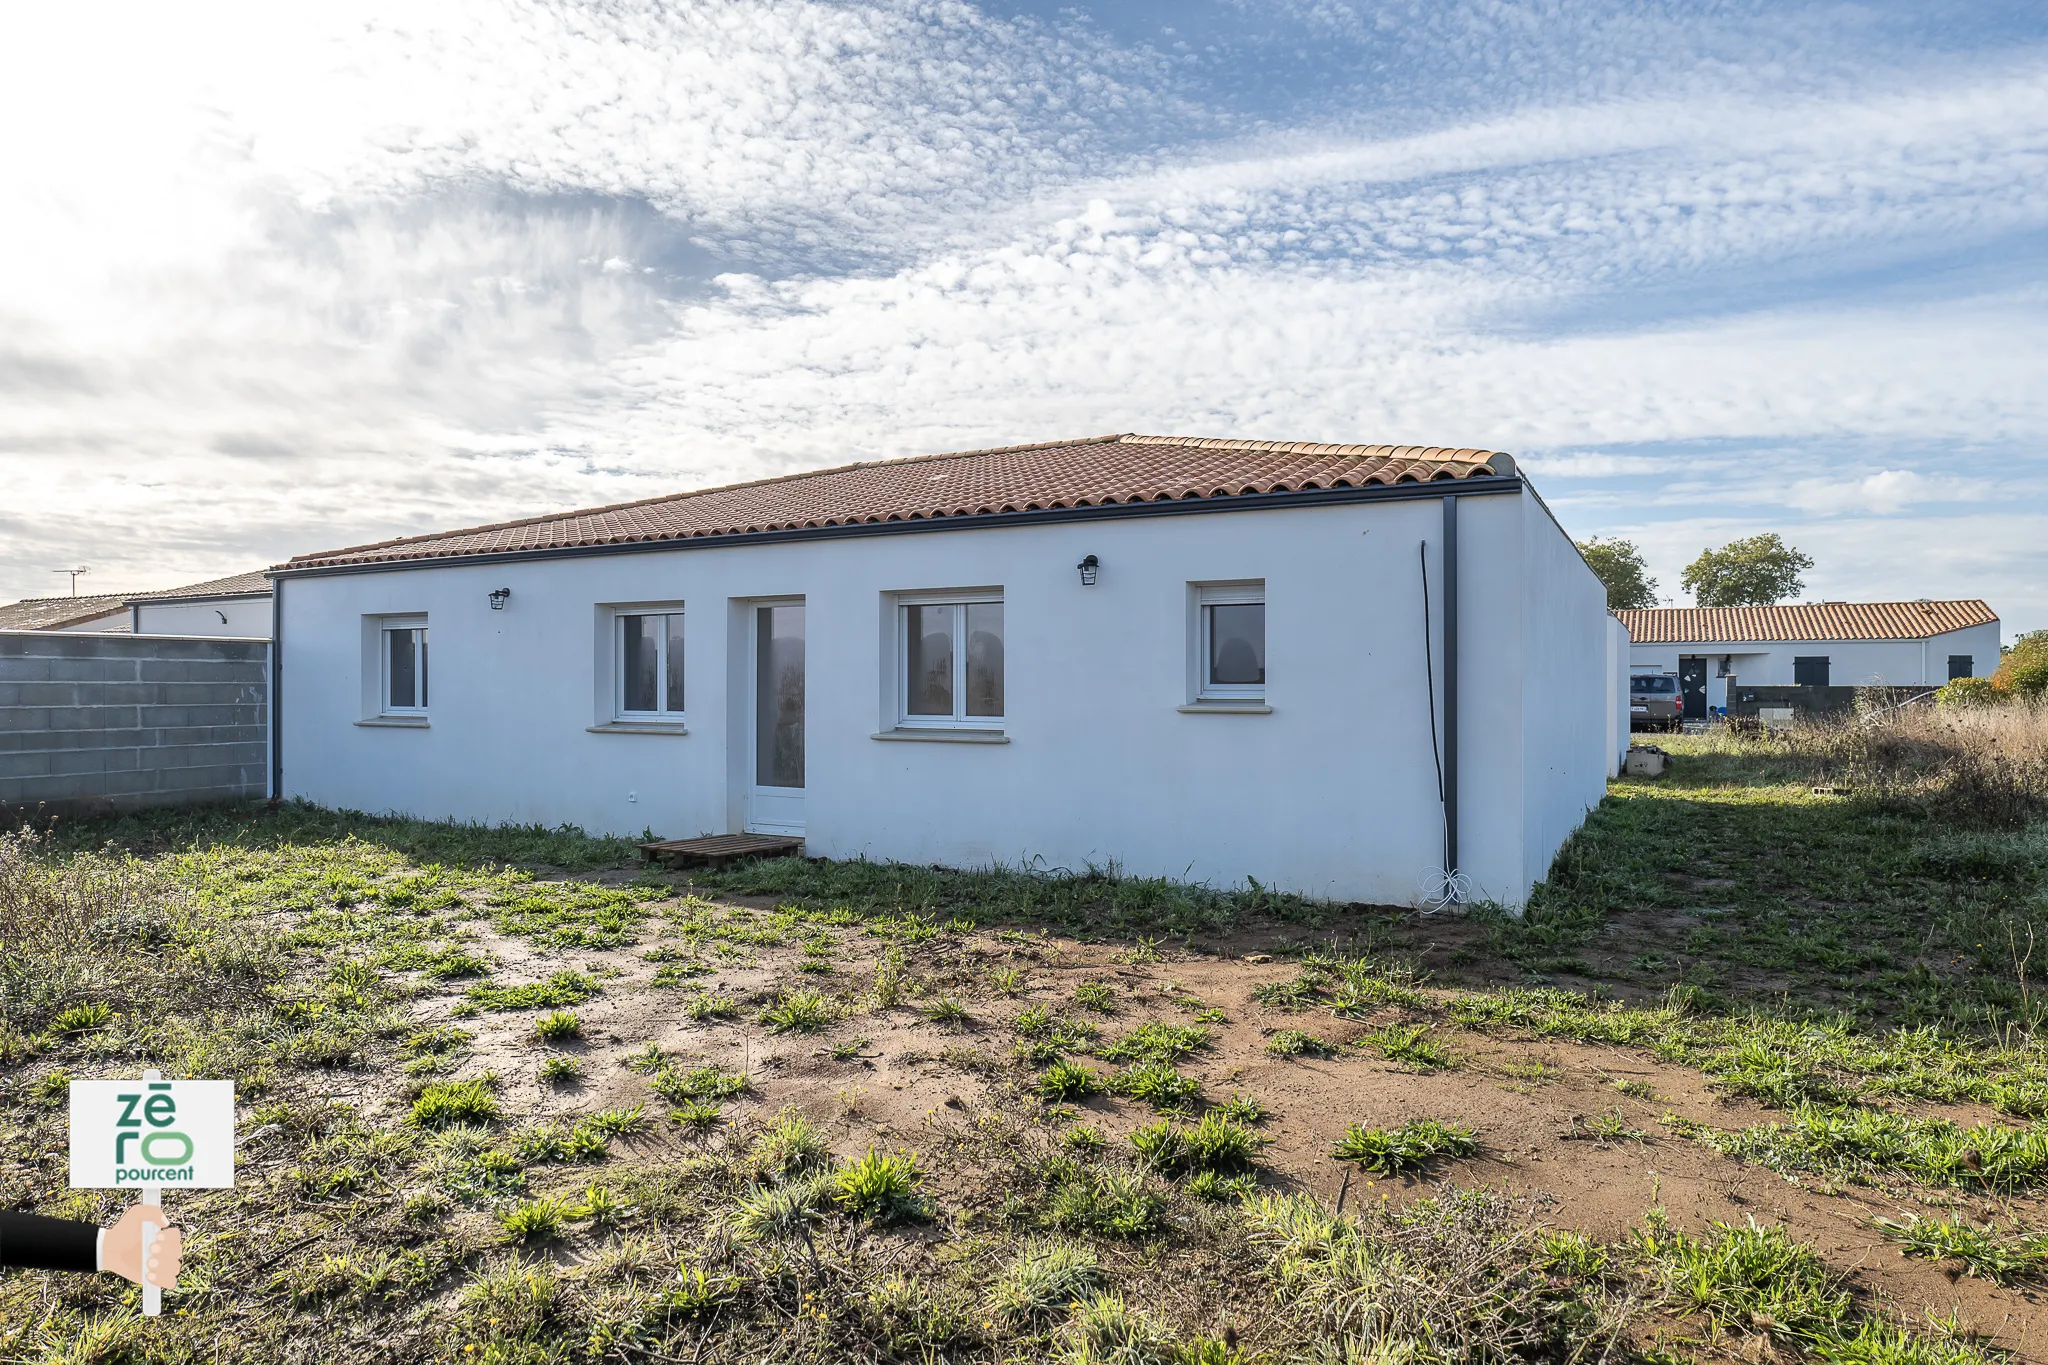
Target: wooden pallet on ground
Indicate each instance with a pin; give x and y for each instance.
(716, 850)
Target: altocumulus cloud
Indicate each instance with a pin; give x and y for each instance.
(282, 280)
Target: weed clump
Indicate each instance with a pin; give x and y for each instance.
(1066, 1081)
(1293, 1042)
(1984, 1250)
(802, 1011)
(1156, 1084)
(883, 1187)
(1410, 1147)
(558, 1026)
(698, 1083)
(566, 987)
(1042, 1279)
(443, 1103)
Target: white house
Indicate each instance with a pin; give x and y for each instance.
(237, 606)
(1192, 658)
(1827, 644)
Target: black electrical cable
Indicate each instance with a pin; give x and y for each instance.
(1429, 672)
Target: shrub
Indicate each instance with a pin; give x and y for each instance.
(446, 1102)
(1962, 693)
(1410, 1147)
(881, 1186)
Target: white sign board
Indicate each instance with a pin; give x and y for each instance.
(172, 1134)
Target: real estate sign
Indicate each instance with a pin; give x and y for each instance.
(152, 1133)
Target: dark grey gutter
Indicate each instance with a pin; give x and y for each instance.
(1249, 502)
(276, 691)
(1450, 690)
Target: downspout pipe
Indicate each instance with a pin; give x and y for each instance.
(1450, 689)
(276, 689)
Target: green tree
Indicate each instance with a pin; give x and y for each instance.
(1746, 573)
(1619, 564)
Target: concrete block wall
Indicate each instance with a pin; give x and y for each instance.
(111, 721)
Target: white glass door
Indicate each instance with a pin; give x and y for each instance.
(775, 801)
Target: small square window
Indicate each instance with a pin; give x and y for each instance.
(950, 662)
(650, 665)
(1230, 652)
(404, 669)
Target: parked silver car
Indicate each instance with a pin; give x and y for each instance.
(1654, 701)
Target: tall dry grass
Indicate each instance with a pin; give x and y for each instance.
(104, 929)
(1985, 767)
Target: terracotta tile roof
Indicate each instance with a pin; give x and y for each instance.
(1817, 621)
(56, 613)
(1093, 471)
(251, 584)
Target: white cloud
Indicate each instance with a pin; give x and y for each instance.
(284, 277)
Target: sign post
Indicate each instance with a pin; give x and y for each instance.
(149, 1135)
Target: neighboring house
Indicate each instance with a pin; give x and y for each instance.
(237, 606)
(1825, 644)
(1189, 658)
(98, 613)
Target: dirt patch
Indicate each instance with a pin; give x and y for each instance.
(1555, 1122)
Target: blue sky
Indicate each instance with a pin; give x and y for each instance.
(276, 281)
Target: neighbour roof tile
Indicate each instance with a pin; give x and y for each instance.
(1813, 621)
(251, 584)
(1092, 471)
(56, 613)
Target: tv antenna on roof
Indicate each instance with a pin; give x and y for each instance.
(74, 576)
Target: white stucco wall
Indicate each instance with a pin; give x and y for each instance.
(247, 617)
(1333, 793)
(1567, 724)
(1618, 738)
(1851, 663)
(115, 620)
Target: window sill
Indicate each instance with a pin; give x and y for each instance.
(938, 736)
(639, 727)
(395, 723)
(1246, 707)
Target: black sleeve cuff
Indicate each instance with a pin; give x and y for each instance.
(32, 1242)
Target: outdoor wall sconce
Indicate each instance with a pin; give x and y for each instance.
(1089, 567)
(498, 598)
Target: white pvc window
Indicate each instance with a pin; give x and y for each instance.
(1231, 651)
(403, 671)
(648, 662)
(950, 662)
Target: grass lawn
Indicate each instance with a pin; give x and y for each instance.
(1755, 1078)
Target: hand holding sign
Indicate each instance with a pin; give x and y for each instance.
(121, 1248)
(144, 1135)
